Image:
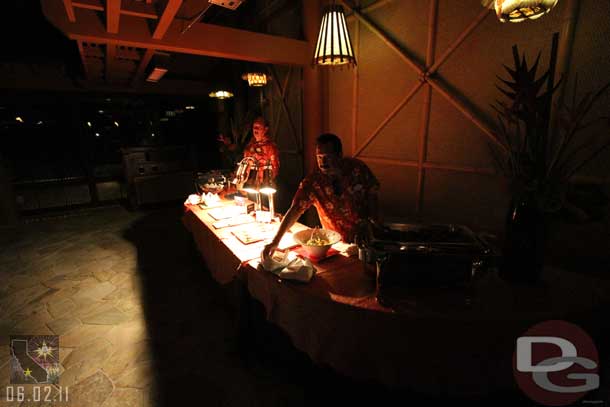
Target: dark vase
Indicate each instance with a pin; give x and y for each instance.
(523, 255)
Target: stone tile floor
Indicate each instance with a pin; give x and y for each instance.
(141, 322)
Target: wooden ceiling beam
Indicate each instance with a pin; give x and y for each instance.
(166, 19)
(113, 14)
(89, 4)
(140, 10)
(130, 9)
(69, 10)
(201, 39)
(142, 66)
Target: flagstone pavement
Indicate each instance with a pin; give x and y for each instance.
(140, 322)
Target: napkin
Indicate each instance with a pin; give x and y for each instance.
(289, 268)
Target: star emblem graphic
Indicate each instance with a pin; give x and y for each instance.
(27, 373)
(44, 350)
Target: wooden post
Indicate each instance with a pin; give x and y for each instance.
(312, 87)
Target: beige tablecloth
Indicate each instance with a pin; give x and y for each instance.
(439, 341)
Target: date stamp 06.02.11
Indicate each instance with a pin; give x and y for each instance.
(35, 370)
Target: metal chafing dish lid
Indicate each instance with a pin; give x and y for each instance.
(434, 239)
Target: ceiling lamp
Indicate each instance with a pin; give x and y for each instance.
(230, 4)
(255, 79)
(221, 94)
(156, 74)
(516, 11)
(334, 46)
(160, 65)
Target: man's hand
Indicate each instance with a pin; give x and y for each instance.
(268, 251)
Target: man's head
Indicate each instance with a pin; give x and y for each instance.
(260, 128)
(328, 153)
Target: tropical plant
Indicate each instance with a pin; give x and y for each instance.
(539, 158)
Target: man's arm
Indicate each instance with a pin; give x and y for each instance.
(289, 219)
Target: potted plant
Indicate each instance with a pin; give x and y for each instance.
(539, 159)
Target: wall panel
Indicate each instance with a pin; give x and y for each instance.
(463, 192)
(478, 201)
(398, 190)
(381, 85)
(593, 69)
(453, 139)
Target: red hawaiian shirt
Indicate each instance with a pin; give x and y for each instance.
(340, 203)
(263, 152)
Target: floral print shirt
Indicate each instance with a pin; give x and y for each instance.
(341, 202)
(263, 152)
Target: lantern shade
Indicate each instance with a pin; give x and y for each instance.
(255, 79)
(221, 94)
(334, 46)
(516, 11)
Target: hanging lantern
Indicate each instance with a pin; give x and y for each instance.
(221, 94)
(255, 79)
(516, 11)
(334, 46)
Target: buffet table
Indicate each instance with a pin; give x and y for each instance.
(441, 341)
(225, 255)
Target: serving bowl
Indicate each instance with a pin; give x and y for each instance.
(317, 242)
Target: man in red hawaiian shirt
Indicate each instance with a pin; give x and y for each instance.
(343, 191)
(262, 148)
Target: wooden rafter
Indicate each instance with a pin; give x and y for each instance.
(201, 39)
(89, 4)
(142, 66)
(166, 18)
(113, 14)
(129, 9)
(140, 10)
(69, 10)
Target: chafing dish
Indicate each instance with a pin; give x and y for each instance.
(405, 257)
